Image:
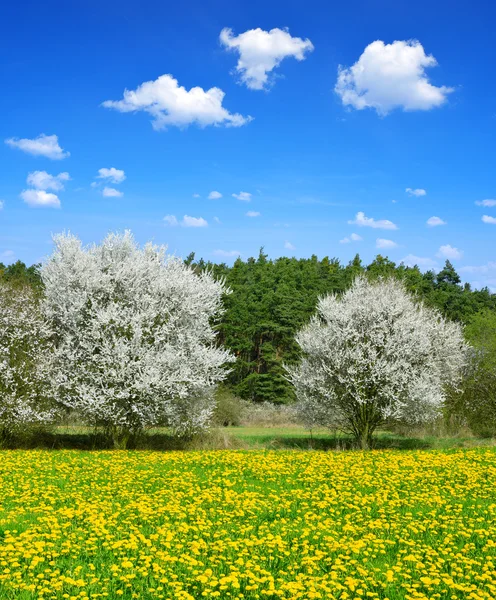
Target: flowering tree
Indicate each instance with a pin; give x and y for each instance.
(375, 354)
(135, 343)
(24, 360)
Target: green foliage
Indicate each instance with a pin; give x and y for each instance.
(229, 408)
(477, 400)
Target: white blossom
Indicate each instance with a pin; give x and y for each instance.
(24, 360)
(375, 354)
(136, 346)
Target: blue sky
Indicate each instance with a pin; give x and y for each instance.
(413, 108)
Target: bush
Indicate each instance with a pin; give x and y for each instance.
(229, 408)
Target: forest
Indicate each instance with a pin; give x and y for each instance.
(271, 299)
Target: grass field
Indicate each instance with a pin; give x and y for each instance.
(248, 524)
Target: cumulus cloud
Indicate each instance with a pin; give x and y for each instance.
(384, 244)
(260, 52)
(252, 213)
(171, 220)
(193, 221)
(187, 221)
(354, 237)
(109, 192)
(486, 203)
(245, 196)
(226, 253)
(415, 192)
(435, 222)
(289, 246)
(389, 76)
(170, 104)
(214, 195)
(449, 252)
(113, 175)
(40, 198)
(43, 145)
(362, 221)
(41, 180)
(488, 219)
(418, 261)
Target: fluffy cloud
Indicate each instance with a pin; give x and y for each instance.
(449, 252)
(214, 195)
(384, 244)
(362, 221)
(113, 175)
(488, 219)
(418, 261)
(252, 213)
(170, 104)
(43, 145)
(41, 180)
(37, 198)
(389, 76)
(109, 192)
(260, 52)
(417, 192)
(435, 222)
(354, 237)
(289, 246)
(226, 253)
(193, 221)
(187, 221)
(245, 196)
(171, 220)
(486, 203)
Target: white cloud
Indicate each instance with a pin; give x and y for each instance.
(2, 204)
(416, 192)
(252, 213)
(245, 196)
(171, 220)
(411, 261)
(262, 51)
(435, 222)
(214, 195)
(289, 246)
(41, 180)
(382, 243)
(354, 237)
(196, 196)
(109, 192)
(43, 145)
(389, 76)
(193, 222)
(362, 221)
(486, 203)
(113, 175)
(488, 219)
(37, 198)
(449, 252)
(217, 220)
(226, 253)
(170, 104)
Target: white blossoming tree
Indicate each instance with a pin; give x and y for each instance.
(24, 361)
(375, 354)
(135, 346)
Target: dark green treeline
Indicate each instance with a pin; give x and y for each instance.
(272, 299)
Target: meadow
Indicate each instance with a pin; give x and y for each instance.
(386, 524)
